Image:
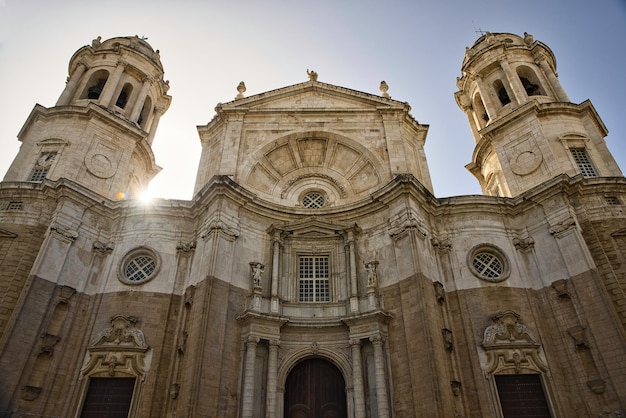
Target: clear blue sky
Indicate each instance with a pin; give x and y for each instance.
(208, 47)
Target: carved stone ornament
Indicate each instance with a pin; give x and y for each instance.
(185, 247)
(401, 224)
(65, 234)
(227, 227)
(440, 292)
(524, 243)
(30, 393)
(102, 248)
(511, 346)
(256, 276)
(118, 351)
(563, 228)
(372, 276)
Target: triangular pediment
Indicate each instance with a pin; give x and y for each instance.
(313, 227)
(7, 234)
(314, 95)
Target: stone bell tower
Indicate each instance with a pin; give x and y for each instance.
(100, 131)
(526, 129)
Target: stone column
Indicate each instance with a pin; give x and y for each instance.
(275, 265)
(516, 85)
(381, 382)
(140, 98)
(72, 84)
(158, 112)
(272, 378)
(248, 383)
(554, 80)
(109, 88)
(354, 300)
(357, 378)
(486, 95)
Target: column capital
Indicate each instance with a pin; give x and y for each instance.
(355, 342)
(252, 340)
(377, 339)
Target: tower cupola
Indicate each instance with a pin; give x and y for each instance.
(525, 127)
(99, 133)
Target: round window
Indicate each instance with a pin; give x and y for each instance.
(139, 266)
(487, 262)
(313, 200)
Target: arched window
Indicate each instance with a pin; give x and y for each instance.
(503, 95)
(145, 113)
(482, 117)
(529, 80)
(122, 99)
(95, 85)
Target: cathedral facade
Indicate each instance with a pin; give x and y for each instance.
(314, 274)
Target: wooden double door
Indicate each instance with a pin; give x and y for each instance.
(315, 388)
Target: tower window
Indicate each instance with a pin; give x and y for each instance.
(122, 99)
(503, 95)
(108, 397)
(529, 80)
(313, 280)
(42, 166)
(584, 163)
(95, 85)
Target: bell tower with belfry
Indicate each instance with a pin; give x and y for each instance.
(526, 129)
(99, 133)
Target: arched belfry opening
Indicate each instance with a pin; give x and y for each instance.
(315, 388)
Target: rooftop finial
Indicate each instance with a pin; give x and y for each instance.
(312, 75)
(241, 88)
(383, 89)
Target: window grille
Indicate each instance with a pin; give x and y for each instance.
(38, 175)
(314, 279)
(584, 164)
(14, 206)
(313, 200)
(140, 268)
(612, 200)
(488, 265)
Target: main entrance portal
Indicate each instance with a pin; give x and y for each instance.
(315, 388)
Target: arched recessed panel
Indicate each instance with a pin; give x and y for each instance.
(365, 178)
(315, 388)
(344, 158)
(312, 151)
(261, 179)
(282, 159)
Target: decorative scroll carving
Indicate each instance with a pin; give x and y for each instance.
(401, 224)
(524, 243)
(48, 341)
(578, 334)
(122, 333)
(185, 247)
(118, 350)
(220, 224)
(65, 234)
(189, 296)
(441, 245)
(30, 393)
(510, 345)
(102, 248)
(563, 228)
(447, 339)
(560, 286)
(440, 292)
(285, 189)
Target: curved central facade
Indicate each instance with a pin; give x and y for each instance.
(314, 274)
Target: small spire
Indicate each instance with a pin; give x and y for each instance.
(241, 88)
(312, 75)
(383, 89)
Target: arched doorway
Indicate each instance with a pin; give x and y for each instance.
(315, 388)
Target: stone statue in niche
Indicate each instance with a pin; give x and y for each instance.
(372, 276)
(257, 270)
